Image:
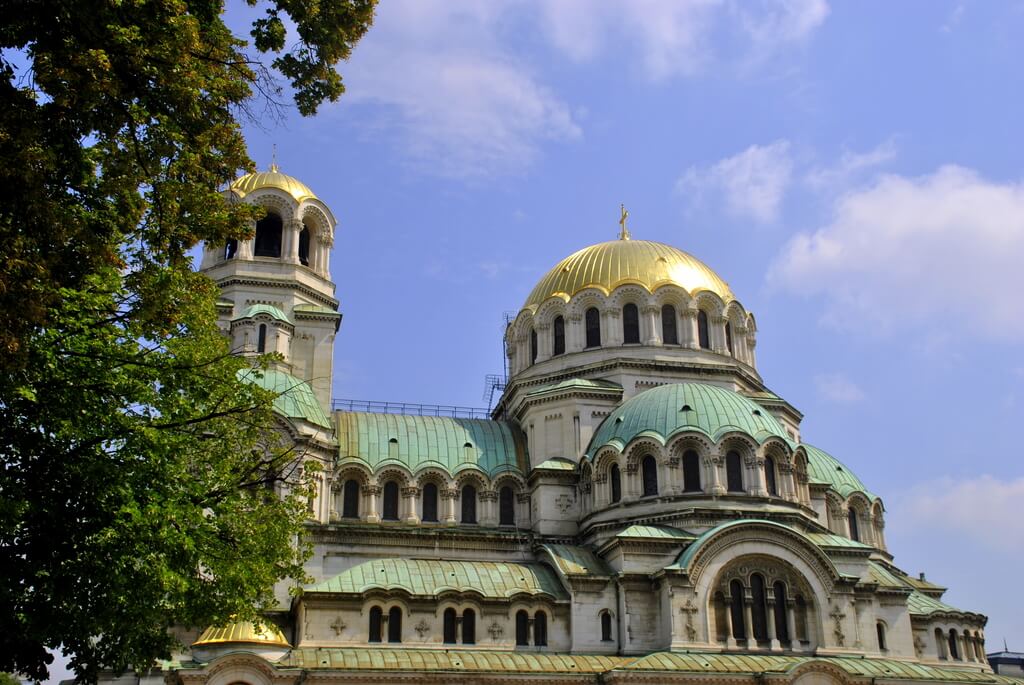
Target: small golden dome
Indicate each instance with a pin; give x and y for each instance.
(608, 265)
(242, 632)
(273, 179)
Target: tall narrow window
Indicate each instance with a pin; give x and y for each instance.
(304, 247)
(851, 517)
(616, 482)
(940, 643)
(268, 236)
(649, 467)
(769, 476)
(734, 472)
(448, 631)
(533, 345)
(728, 336)
(468, 504)
(739, 630)
(230, 248)
(954, 650)
(559, 332)
(759, 607)
(669, 329)
(522, 628)
(703, 334)
(395, 624)
(261, 339)
(506, 507)
(375, 621)
(880, 632)
(469, 627)
(691, 472)
(593, 327)
(606, 627)
(350, 499)
(630, 324)
(540, 629)
(781, 627)
(429, 503)
(390, 512)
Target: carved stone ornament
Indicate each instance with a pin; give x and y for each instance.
(689, 609)
(338, 625)
(422, 627)
(838, 616)
(496, 631)
(563, 502)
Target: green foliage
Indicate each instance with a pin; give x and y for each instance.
(138, 479)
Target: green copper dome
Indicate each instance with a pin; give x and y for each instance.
(670, 409)
(822, 467)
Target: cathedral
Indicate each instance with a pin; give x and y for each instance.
(637, 507)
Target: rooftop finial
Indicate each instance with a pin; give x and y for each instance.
(624, 233)
(273, 158)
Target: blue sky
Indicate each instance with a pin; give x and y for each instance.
(853, 170)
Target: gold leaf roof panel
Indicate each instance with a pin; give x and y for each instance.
(242, 632)
(273, 178)
(608, 265)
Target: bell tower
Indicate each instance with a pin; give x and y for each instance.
(276, 288)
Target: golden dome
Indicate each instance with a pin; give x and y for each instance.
(273, 179)
(242, 632)
(608, 265)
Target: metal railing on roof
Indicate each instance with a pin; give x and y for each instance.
(410, 408)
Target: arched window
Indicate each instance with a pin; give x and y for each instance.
(669, 329)
(739, 630)
(268, 236)
(728, 336)
(429, 503)
(522, 628)
(954, 648)
(734, 472)
(533, 345)
(304, 246)
(781, 627)
(230, 248)
(261, 340)
(649, 469)
(468, 504)
(469, 627)
(375, 621)
(449, 627)
(606, 627)
(703, 336)
(506, 507)
(616, 481)
(540, 629)
(390, 512)
(851, 517)
(759, 607)
(593, 326)
(630, 324)
(350, 499)
(559, 331)
(691, 472)
(880, 632)
(769, 476)
(395, 624)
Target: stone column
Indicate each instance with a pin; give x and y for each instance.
(712, 464)
(488, 516)
(448, 496)
(730, 641)
(614, 319)
(409, 496)
(290, 241)
(688, 334)
(794, 641)
(575, 335)
(371, 492)
(755, 468)
(770, 616)
(751, 344)
(785, 472)
(716, 322)
(748, 622)
(653, 330)
(545, 342)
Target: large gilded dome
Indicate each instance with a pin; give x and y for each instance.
(608, 265)
(273, 178)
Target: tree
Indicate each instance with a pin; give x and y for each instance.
(135, 456)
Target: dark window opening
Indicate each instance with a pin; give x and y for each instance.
(734, 472)
(522, 628)
(739, 630)
(350, 500)
(691, 472)
(540, 629)
(702, 330)
(390, 512)
(268, 236)
(954, 651)
(449, 627)
(630, 324)
(230, 248)
(261, 340)
(606, 627)
(533, 345)
(728, 336)
(469, 627)
(769, 476)
(669, 329)
(593, 326)
(759, 608)
(430, 503)
(375, 621)
(559, 330)
(616, 480)
(851, 516)
(649, 468)
(781, 627)
(395, 624)
(468, 504)
(880, 631)
(506, 507)
(304, 247)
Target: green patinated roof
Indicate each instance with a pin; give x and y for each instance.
(577, 561)
(295, 399)
(472, 661)
(656, 532)
(315, 309)
(556, 464)
(884, 577)
(822, 467)
(922, 605)
(423, 441)
(256, 309)
(578, 384)
(658, 412)
(431, 577)
(833, 540)
(687, 555)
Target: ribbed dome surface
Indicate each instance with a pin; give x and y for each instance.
(273, 179)
(608, 265)
(669, 409)
(242, 632)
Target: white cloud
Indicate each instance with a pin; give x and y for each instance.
(837, 388)
(850, 166)
(752, 183)
(936, 251)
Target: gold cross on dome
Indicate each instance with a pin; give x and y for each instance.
(624, 233)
